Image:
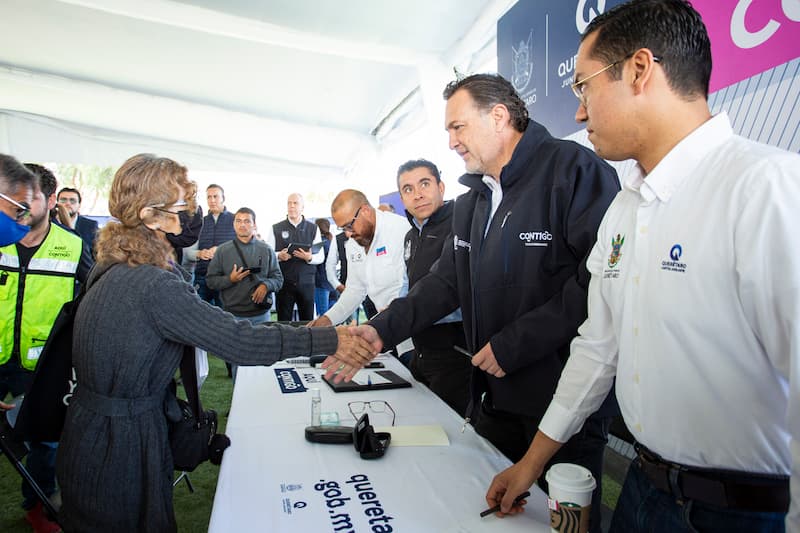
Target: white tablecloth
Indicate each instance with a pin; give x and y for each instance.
(272, 479)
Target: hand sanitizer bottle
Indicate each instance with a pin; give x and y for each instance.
(316, 407)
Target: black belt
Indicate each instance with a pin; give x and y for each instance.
(721, 488)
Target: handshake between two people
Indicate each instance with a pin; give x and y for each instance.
(358, 345)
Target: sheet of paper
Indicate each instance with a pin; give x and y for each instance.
(432, 435)
(363, 377)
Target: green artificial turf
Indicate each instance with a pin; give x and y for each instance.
(611, 490)
(192, 510)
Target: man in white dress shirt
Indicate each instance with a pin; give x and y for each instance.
(375, 261)
(694, 300)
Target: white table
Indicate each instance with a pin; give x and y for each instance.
(272, 479)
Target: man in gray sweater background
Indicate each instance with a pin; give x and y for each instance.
(245, 271)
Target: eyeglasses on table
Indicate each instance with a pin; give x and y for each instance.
(374, 406)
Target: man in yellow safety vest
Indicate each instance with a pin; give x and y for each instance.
(37, 276)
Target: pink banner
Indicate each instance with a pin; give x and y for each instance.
(749, 36)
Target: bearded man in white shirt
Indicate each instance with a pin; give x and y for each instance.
(375, 262)
(695, 292)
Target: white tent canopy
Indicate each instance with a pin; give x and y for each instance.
(314, 88)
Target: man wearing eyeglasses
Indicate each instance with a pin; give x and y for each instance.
(374, 252)
(516, 266)
(17, 185)
(37, 276)
(694, 296)
(69, 209)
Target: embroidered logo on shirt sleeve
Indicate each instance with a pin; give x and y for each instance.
(614, 257)
(616, 250)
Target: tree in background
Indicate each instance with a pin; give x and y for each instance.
(94, 183)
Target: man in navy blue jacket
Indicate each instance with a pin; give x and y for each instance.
(516, 267)
(298, 266)
(435, 362)
(70, 216)
(217, 228)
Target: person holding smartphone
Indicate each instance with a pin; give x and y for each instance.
(245, 271)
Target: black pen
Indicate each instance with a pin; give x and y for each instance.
(492, 510)
(459, 349)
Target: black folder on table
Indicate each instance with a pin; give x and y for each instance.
(395, 382)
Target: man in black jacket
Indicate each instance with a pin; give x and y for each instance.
(69, 204)
(299, 266)
(435, 362)
(517, 267)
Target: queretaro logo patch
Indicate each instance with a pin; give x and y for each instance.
(616, 247)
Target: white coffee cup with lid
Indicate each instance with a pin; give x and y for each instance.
(570, 498)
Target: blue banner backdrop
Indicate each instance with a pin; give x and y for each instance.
(756, 76)
(536, 45)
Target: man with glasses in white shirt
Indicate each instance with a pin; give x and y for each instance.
(374, 254)
(694, 297)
